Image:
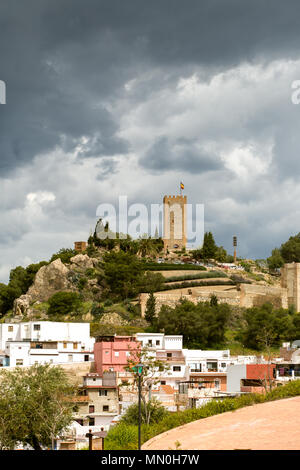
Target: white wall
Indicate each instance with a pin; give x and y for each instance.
(234, 375)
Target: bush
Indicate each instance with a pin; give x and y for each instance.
(156, 409)
(63, 303)
(120, 439)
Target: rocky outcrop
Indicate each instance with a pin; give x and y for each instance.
(50, 279)
(22, 305)
(113, 318)
(83, 262)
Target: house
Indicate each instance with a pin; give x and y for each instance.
(112, 352)
(97, 401)
(250, 378)
(40, 342)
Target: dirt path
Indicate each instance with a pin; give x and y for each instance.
(273, 425)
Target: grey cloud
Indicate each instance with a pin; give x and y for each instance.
(182, 154)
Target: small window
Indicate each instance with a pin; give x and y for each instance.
(105, 408)
(169, 354)
(86, 357)
(157, 343)
(102, 393)
(117, 353)
(19, 362)
(176, 368)
(75, 345)
(91, 409)
(10, 328)
(223, 364)
(36, 327)
(162, 382)
(127, 353)
(65, 345)
(150, 342)
(91, 421)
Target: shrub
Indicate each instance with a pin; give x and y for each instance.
(63, 303)
(120, 439)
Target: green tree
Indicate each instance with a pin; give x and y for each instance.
(290, 250)
(63, 303)
(209, 247)
(275, 261)
(221, 254)
(123, 273)
(65, 254)
(202, 325)
(274, 323)
(154, 409)
(150, 308)
(34, 406)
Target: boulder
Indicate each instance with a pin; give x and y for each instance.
(21, 305)
(83, 262)
(50, 279)
(113, 318)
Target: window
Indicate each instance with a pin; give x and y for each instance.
(86, 357)
(70, 358)
(102, 393)
(217, 384)
(75, 345)
(212, 366)
(162, 382)
(169, 354)
(150, 342)
(195, 367)
(19, 362)
(127, 353)
(105, 408)
(91, 409)
(65, 345)
(223, 364)
(157, 343)
(116, 353)
(10, 328)
(91, 421)
(36, 327)
(176, 368)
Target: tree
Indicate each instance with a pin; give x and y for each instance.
(123, 273)
(277, 322)
(221, 254)
(150, 308)
(209, 247)
(153, 370)
(202, 325)
(63, 303)
(154, 413)
(34, 406)
(275, 261)
(65, 254)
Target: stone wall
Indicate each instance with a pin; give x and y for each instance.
(247, 295)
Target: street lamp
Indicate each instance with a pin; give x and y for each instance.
(139, 370)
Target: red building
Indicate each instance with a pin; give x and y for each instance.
(112, 352)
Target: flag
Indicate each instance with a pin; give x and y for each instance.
(181, 185)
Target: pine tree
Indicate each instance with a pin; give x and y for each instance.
(150, 308)
(209, 247)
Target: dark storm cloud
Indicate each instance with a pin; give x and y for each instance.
(180, 155)
(62, 60)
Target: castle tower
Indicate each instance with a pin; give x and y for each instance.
(290, 279)
(174, 222)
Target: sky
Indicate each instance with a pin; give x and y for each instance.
(111, 97)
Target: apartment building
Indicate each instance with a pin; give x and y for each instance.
(24, 344)
(97, 401)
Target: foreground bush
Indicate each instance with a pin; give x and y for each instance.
(125, 437)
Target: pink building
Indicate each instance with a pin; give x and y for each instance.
(112, 352)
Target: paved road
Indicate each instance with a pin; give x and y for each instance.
(267, 426)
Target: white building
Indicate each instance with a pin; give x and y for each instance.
(44, 341)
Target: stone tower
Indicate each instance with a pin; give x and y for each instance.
(174, 222)
(290, 279)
